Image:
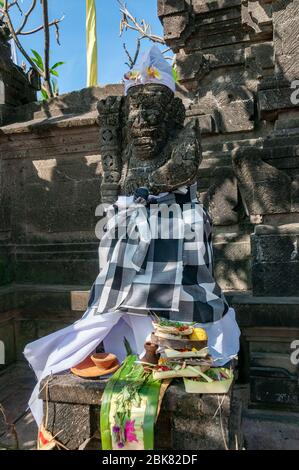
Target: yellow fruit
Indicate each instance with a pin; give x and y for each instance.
(199, 334)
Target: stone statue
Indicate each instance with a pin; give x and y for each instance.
(144, 142)
(4, 31)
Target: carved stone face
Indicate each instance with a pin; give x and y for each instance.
(152, 113)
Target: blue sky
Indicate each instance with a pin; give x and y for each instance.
(111, 56)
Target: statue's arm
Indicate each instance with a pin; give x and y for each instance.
(182, 167)
(109, 121)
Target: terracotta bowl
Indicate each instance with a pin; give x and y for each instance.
(103, 360)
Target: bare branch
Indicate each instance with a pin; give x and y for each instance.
(26, 16)
(132, 61)
(41, 27)
(12, 4)
(17, 5)
(128, 21)
(136, 52)
(7, 6)
(57, 33)
(43, 71)
(16, 39)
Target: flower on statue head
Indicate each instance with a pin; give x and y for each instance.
(153, 72)
(130, 435)
(133, 75)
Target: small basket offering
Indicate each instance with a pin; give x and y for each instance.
(215, 380)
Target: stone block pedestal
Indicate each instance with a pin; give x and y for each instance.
(186, 421)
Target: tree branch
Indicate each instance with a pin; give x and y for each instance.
(26, 16)
(42, 70)
(129, 22)
(18, 6)
(41, 27)
(132, 61)
(16, 39)
(46, 48)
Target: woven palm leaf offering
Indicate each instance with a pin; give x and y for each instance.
(183, 347)
(170, 369)
(178, 335)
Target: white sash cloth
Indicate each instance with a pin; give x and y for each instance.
(60, 351)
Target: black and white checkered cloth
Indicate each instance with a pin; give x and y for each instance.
(159, 257)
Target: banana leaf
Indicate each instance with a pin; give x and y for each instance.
(106, 401)
(152, 392)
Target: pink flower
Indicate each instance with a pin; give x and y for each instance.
(130, 435)
(120, 445)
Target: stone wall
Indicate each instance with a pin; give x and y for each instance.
(238, 64)
(51, 176)
(236, 61)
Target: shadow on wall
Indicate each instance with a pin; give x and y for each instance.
(52, 197)
(53, 201)
(232, 228)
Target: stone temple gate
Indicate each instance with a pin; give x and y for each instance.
(238, 65)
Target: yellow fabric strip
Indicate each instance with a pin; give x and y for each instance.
(91, 43)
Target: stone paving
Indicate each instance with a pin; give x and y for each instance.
(16, 384)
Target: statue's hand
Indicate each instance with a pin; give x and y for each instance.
(182, 167)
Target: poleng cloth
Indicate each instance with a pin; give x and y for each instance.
(158, 257)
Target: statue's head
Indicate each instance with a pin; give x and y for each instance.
(152, 115)
(4, 31)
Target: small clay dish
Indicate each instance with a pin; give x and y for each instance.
(104, 360)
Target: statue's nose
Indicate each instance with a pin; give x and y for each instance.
(141, 119)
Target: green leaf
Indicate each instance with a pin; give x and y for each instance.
(55, 87)
(106, 401)
(1, 3)
(151, 391)
(44, 94)
(175, 75)
(38, 60)
(127, 346)
(57, 65)
(53, 72)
